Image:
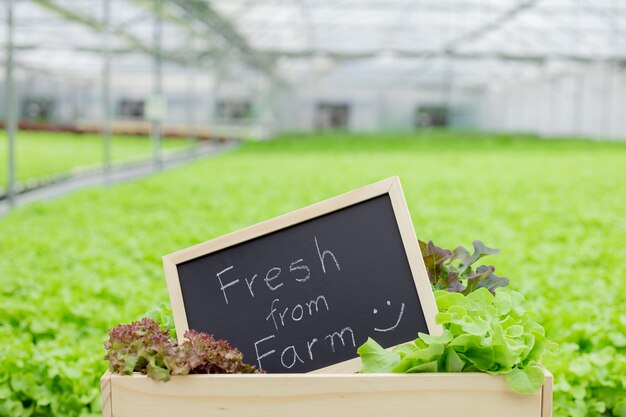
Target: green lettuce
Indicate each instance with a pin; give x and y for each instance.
(483, 332)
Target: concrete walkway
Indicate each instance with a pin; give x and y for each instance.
(118, 173)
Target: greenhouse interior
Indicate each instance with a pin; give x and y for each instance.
(133, 129)
(552, 67)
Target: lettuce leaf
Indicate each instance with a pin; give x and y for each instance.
(525, 380)
(144, 346)
(482, 332)
(451, 270)
(375, 358)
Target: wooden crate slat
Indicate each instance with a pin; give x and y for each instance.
(327, 395)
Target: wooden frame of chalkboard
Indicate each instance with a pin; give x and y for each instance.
(390, 187)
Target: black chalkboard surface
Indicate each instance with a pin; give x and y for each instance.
(305, 296)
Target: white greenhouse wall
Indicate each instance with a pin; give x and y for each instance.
(370, 110)
(589, 103)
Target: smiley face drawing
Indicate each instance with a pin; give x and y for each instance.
(388, 329)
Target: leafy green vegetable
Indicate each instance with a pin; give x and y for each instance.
(377, 357)
(162, 314)
(482, 332)
(74, 267)
(452, 269)
(526, 380)
(207, 355)
(143, 346)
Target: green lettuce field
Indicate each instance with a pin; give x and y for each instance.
(73, 267)
(41, 154)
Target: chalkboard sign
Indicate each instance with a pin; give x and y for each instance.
(302, 291)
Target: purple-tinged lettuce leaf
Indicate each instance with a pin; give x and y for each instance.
(138, 347)
(460, 254)
(452, 282)
(206, 355)
(452, 270)
(145, 347)
(434, 258)
(480, 250)
(491, 281)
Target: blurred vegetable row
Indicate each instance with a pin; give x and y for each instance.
(76, 266)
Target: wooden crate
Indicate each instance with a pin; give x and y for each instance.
(325, 395)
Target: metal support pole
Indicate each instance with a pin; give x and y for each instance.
(273, 101)
(191, 93)
(158, 84)
(10, 119)
(449, 93)
(607, 98)
(106, 87)
(579, 81)
(555, 98)
(217, 82)
(519, 112)
(546, 115)
(577, 122)
(258, 100)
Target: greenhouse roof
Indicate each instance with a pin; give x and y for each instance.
(395, 42)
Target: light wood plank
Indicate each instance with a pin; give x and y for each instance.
(105, 391)
(176, 298)
(546, 395)
(329, 395)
